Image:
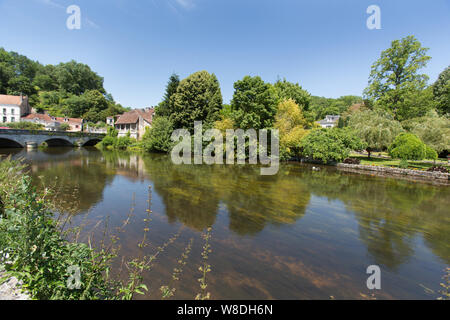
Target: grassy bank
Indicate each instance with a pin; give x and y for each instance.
(383, 160)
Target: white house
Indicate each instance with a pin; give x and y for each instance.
(12, 108)
(330, 121)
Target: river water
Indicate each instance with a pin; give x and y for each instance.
(300, 234)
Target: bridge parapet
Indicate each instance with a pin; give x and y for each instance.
(23, 138)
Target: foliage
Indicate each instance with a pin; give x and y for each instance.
(158, 137)
(407, 146)
(403, 164)
(254, 103)
(329, 145)
(166, 108)
(64, 127)
(321, 106)
(205, 267)
(290, 123)
(433, 130)
(394, 82)
(376, 128)
(69, 89)
(24, 125)
(38, 253)
(430, 153)
(441, 92)
(287, 90)
(198, 98)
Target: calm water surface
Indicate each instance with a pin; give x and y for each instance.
(300, 234)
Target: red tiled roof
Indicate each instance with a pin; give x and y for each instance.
(7, 99)
(46, 117)
(133, 116)
(39, 116)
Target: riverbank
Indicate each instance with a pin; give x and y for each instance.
(11, 288)
(412, 175)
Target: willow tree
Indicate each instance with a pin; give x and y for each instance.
(376, 128)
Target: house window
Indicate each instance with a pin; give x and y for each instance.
(12, 111)
(13, 119)
(4, 111)
(5, 120)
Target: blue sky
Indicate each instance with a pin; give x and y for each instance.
(135, 45)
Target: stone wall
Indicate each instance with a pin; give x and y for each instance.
(396, 171)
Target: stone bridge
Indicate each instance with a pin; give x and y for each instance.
(12, 138)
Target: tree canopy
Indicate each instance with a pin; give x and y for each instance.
(254, 103)
(441, 91)
(395, 82)
(198, 98)
(376, 128)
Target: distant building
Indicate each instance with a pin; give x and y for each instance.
(330, 121)
(110, 121)
(134, 122)
(54, 123)
(12, 108)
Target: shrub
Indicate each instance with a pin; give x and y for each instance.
(64, 127)
(430, 153)
(158, 137)
(330, 144)
(407, 146)
(108, 141)
(25, 125)
(403, 164)
(124, 142)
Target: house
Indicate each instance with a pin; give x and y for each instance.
(110, 121)
(330, 121)
(12, 108)
(54, 123)
(134, 122)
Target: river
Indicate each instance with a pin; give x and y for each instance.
(300, 234)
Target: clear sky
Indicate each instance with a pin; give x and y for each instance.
(135, 45)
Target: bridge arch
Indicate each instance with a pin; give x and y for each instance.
(9, 143)
(58, 142)
(91, 142)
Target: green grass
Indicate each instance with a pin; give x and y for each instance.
(388, 162)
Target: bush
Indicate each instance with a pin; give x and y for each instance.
(403, 164)
(64, 127)
(123, 143)
(108, 141)
(158, 137)
(407, 146)
(25, 125)
(430, 153)
(330, 144)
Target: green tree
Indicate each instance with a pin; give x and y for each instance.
(158, 137)
(77, 78)
(433, 130)
(329, 145)
(394, 77)
(254, 103)
(407, 146)
(376, 128)
(287, 90)
(165, 108)
(441, 91)
(291, 125)
(64, 127)
(198, 98)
